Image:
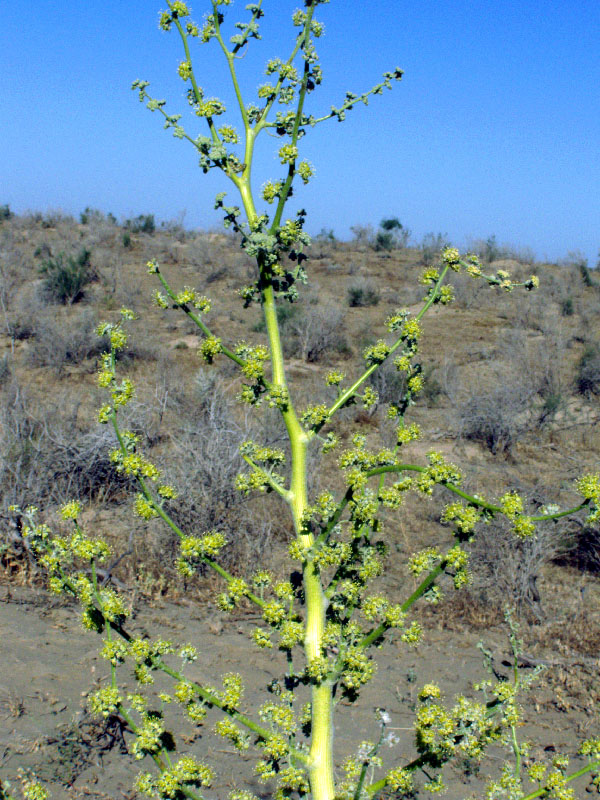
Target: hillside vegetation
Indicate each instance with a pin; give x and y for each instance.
(511, 383)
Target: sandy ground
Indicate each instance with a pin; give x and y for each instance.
(48, 664)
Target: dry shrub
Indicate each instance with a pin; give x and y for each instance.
(313, 332)
(506, 568)
(581, 547)
(496, 416)
(588, 378)
(47, 458)
(202, 462)
(60, 340)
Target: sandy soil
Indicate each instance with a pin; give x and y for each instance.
(48, 664)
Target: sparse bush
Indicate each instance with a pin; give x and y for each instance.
(216, 275)
(91, 215)
(363, 293)
(285, 315)
(432, 245)
(126, 239)
(497, 416)
(61, 341)
(46, 457)
(581, 547)
(384, 242)
(52, 219)
(567, 309)
(326, 235)
(391, 236)
(5, 212)
(389, 383)
(586, 275)
(506, 569)
(588, 378)
(432, 388)
(313, 332)
(364, 235)
(143, 223)
(5, 372)
(66, 277)
(489, 250)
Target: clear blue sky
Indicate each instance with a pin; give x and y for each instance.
(495, 128)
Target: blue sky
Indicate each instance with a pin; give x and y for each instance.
(495, 128)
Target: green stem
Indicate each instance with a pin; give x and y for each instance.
(156, 757)
(595, 765)
(229, 55)
(284, 194)
(476, 501)
(197, 320)
(269, 479)
(349, 393)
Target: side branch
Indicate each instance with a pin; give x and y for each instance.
(346, 396)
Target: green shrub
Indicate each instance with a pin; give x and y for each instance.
(588, 377)
(392, 235)
(89, 215)
(363, 294)
(126, 239)
(586, 276)
(384, 241)
(566, 307)
(143, 223)
(5, 212)
(66, 277)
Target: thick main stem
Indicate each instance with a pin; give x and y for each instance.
(320, 764)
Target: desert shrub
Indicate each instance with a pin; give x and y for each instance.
(204, 463)
(432, 388)
(468, 294)
(46, 457)
(5, 371)
(586, 275)
(506, 569)
(314, 332)
(5, 212)
(21, 328)
(364, 235)
(66, 277)
(326, 235)
(216, 274)
(567, 309)
(143, 223)
(389, 383)
(588, 372)
(93, 215)
(59, 341)
(431, 245)
(489, 249)
(363, 293)
(55, 219)
(496, 416)
(581, 547)
(399, 231)
(384, 242)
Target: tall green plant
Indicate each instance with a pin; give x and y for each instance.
(66, 277)
(328, 622)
